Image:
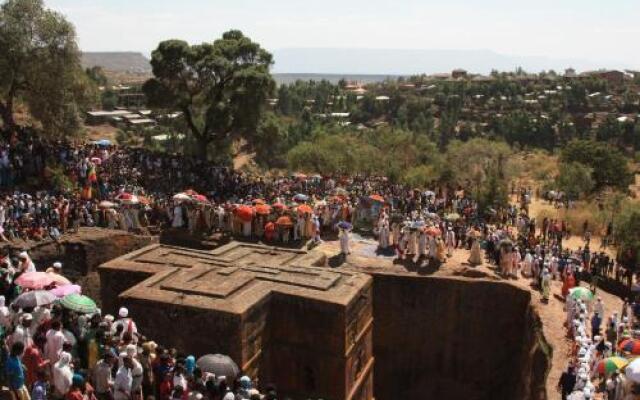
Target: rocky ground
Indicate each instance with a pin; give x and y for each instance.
(552, 315)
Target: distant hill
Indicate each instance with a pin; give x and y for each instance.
(121, 62)
(333, 78)
(385, 62)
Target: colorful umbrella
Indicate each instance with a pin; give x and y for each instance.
(127, 198)
(66, 290)
(630, 346)
(181, 197)
(611, 364)
(58, 279)
(191, 192)
(263, 209)
(106, 204)
(200, 198)
(284, 221)
(279, 206)
(79, 303)
(259, 201)
(581, 293)
(245, 213)
(377, 197)
(34, 280)
(34, 298)
(632, 371)
(432, 231)
(305, 209)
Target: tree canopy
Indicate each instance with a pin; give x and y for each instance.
(221, 87)
(609, 166)
(40, 65)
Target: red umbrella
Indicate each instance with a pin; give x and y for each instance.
(284, 221)
(34, 280)
(280, 206)
(245, 213)
(377, 197)
(305, 209)
(631, 346)
(433, 231)
(200, 198)
(263, 209)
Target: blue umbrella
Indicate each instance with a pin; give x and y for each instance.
(103, 142)
(300, 197)
(345, 225)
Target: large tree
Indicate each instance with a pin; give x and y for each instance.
(40, 66)
(221, 87)
(609, 166)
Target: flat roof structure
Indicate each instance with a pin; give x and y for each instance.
(282, 318)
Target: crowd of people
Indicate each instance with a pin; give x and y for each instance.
(51, 351)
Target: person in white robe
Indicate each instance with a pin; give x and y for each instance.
(178, 220)
(450, 241)
(345, 249)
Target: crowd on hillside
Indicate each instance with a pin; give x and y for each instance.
(57, 346)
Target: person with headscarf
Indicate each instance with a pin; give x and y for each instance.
(22, 332)
(189, 365)
(546, 285)
(127, 324)
(245, 387)
(62, 376)
(5, 317)
(137, 372)
(55, 341)
(25, 264)
(343, 235)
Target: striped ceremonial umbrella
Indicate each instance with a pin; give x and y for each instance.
(284, 221)
(611, 364)
(79, 303)
(263, 209)
(377, 197)
(245, 213)
(630, 346)
(305, 209)
(581, 293)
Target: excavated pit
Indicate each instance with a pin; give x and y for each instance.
(456, 338)
(434, 337)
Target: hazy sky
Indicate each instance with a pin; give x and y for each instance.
(603, 30)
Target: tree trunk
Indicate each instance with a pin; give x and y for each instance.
(203, 146)
(6, 112)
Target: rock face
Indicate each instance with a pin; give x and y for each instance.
(460, 336)
(306, 329)
(83, 252)
(456, 339)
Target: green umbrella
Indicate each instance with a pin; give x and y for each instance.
(79, 303)
(581, 293)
